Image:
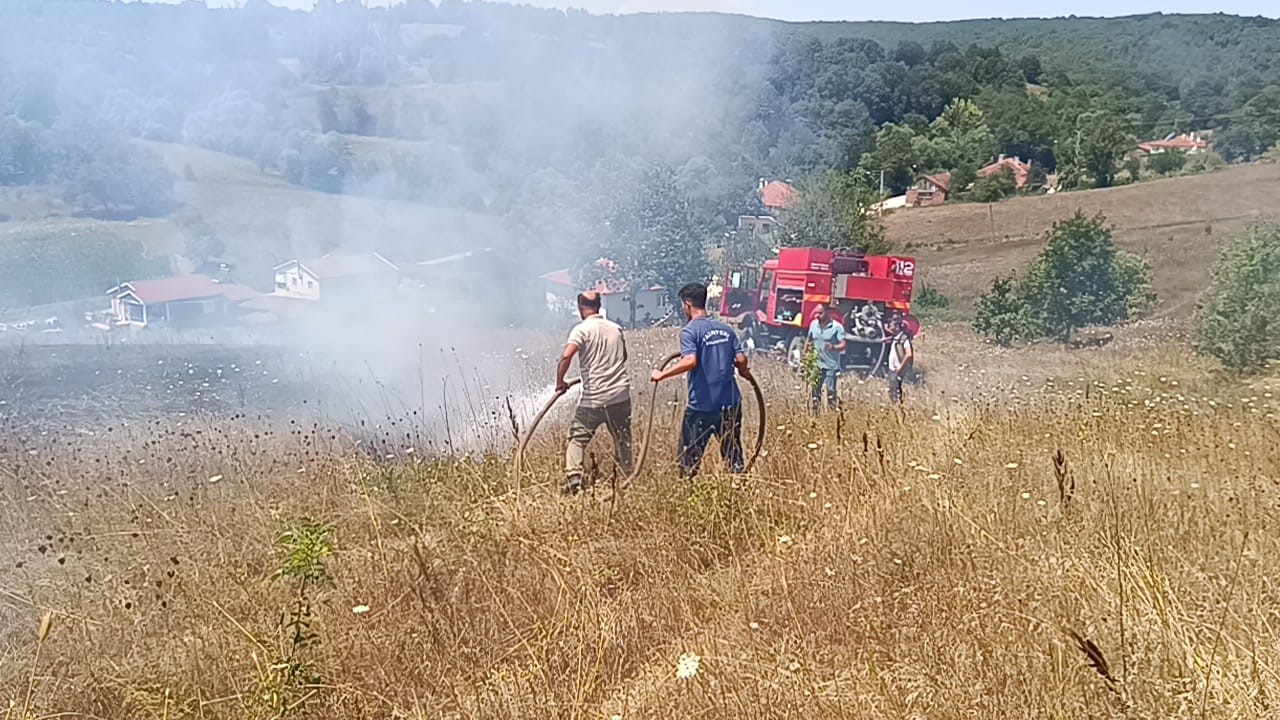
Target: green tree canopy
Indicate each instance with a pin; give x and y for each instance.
(1238, 319)
(1080, 279)
(650, 235)
(834, 211)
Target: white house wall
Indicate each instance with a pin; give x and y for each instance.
(295, 281)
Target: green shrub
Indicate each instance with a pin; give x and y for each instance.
(1238, 320)
(1080, 279)
(1001, 313)
(994, 187)
(929, 301)
(1168, 163)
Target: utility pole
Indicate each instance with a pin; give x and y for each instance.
(882, 198)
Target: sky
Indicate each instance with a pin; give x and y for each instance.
(917, 11)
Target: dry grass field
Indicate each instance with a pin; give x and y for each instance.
(1039, 533)
(1179, 224)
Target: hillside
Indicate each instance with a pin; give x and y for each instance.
(258, 214)
(1179, 224)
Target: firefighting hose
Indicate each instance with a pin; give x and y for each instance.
(648, 432)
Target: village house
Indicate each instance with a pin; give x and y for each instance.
(929, 190)
(640, 308)
(338, 277)
(758, 226)
(777, 195)
(1021, 170)
(1190, 143)
(183, 301)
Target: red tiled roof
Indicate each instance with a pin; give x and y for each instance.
(184, 287)
(1021, 170)
(1180, 142)
(778, 195)
(942, 180)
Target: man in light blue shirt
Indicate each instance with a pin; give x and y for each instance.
(828, 337)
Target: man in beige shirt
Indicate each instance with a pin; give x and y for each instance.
(606, 389)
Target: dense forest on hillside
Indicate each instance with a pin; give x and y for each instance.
(562, 121)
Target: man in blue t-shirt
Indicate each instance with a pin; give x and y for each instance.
(828, 337)
(709, 352)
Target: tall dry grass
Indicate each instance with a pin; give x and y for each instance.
(1038, 533)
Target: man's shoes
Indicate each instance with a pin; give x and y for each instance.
(572, 486)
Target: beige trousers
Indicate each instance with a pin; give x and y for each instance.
(586, 421)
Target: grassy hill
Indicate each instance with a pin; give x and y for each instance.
(260, 218)
(1179, 224)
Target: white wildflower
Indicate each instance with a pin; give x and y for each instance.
(687, 668)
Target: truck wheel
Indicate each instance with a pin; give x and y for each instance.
(795, 353)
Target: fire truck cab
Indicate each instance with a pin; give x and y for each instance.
(773, 305)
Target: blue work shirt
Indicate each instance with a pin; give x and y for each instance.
(823, 339)
(712, 386)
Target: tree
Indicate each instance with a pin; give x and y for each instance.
(895, 154)
(959, 136)
(202, 242)
(99, 168)
(233, 123)
(834, 211)
(994, 187)
(1238, 320)
(1095, 151)
(24, 152)
(1168, 163)
(320, 162)
(909, 53)
(1001, 312)
(1029, 66)
(649, 235)
(1080, 279)
(1257, 130)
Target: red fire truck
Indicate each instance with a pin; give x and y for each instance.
(773, 305)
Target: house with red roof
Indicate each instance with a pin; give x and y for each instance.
(778, 195)
(1021, 170)
(183, 301)
(1190, 143)
(929, 190)
(620, 303)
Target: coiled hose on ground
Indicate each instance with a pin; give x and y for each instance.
(648, 431)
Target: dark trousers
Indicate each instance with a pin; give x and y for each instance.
(696, 432)
(895, 383)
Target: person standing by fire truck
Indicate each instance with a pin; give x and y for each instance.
(606, 389)
(710, 352)
(827, 337)
(901, 353)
